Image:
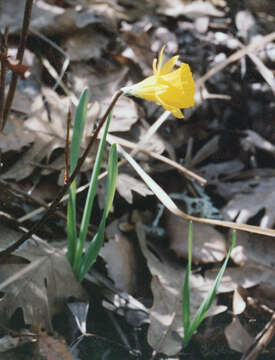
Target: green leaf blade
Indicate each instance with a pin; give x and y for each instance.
(186, 286)
(205, 306)
(97, 242)
(90, 197)
(79, 124)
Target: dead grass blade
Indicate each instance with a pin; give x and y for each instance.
(171, 206)
(112, 139)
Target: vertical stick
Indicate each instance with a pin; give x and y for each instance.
(19, 56)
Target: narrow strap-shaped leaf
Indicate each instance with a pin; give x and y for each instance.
(79, 124)
(97, 242)
(205, 306)
(92, 251)
(112, 176)
(186, 286)
(90, 199)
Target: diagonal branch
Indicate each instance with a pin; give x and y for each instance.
(50, 211)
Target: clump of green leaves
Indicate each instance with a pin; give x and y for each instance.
(80, 259)
(191, 327)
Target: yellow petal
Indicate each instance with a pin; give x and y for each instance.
(155, 67)
(173, 90)
(160, 59)
(173, 109)
(169, 65)
(177, 113)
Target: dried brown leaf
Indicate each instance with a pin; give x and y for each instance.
(39, 288)
(250, 197)
(120, 258)
(124, 115)
(238, 304)
(126, 184)
(102, 80)
(76, 44)
(15, 136)
(247, 277)
(127, 9)
(208, 244)
(247, 197)
(139, 42)
(25, 165)
(237, 337)
(255, 255)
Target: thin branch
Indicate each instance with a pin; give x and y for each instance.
(4, 51)
(33, 199)
(19, 57)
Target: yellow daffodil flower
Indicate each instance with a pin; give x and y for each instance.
(172, 89)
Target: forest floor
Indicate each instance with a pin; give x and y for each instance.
(130, 304)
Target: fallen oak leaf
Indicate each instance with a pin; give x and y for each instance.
(40, 288)
(127, 184)
(249, 198)
(120, 259)
(237, 336)
(208, 244)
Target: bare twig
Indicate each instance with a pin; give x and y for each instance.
(4, 51)
(19, 57)
(66, 186)
(262, 341)
(33, 199)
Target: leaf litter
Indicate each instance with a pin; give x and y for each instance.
(166, 331)
(227, 140)
(40, 288)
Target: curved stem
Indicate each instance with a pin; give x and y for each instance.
(65, 188)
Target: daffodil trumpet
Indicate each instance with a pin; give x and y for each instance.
(172, 89)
